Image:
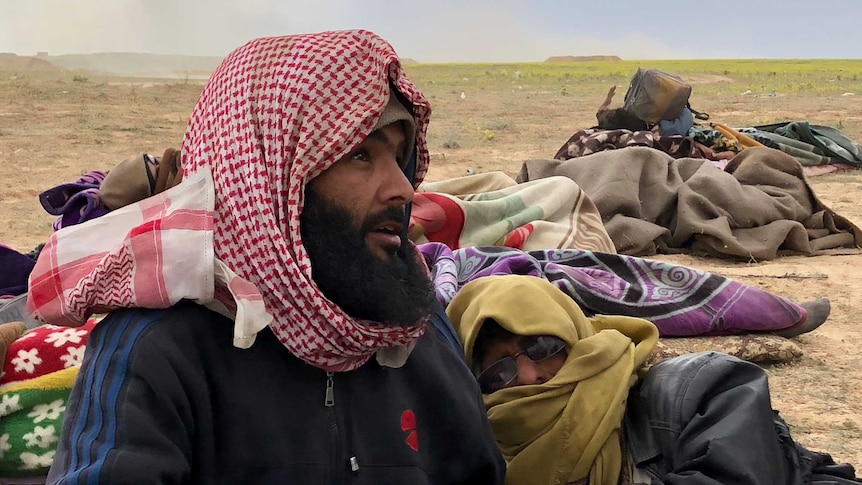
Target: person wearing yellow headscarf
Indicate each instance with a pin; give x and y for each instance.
(570, 402)
(540, 428)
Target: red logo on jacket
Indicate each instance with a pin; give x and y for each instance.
(408, 423)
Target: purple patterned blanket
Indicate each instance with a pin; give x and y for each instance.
(680, 301)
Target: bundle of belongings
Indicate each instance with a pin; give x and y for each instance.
(39, 369)
(96, 193)
(136, 179)
(657, 113)
(41, 362)
(655, 100)
(39, 366)
(664, 183)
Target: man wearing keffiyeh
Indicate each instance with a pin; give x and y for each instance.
(269, 317)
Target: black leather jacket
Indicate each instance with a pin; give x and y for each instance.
(706, 418)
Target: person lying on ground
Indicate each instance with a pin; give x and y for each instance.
(680, 301)
(285, 337)
(569, 401)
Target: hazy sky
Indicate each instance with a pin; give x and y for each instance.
(447, 30)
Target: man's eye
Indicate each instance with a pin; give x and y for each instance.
(360, 154)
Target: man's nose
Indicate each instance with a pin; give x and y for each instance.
(396, 189)
(529, 372)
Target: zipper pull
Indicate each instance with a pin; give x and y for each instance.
(354, 464)
(329, 399)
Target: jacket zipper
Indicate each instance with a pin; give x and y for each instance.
(329, 403)
(329, 397)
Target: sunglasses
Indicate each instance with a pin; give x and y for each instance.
(504, 371)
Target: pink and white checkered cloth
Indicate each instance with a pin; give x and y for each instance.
(149, 255)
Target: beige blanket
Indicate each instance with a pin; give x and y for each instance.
(491, 209)
(758, 208)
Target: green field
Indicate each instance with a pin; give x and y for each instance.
(766, 75)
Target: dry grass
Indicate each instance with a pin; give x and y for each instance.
(54, 126)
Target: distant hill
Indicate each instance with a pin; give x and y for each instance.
(129, 64)
(139, 65)
(581, 58)
(12, 62)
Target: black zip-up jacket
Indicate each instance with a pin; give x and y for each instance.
(163, 397)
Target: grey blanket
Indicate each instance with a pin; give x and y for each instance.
(758, 208)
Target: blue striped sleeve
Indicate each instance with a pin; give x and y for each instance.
(94, 447)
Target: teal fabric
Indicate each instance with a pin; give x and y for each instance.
(806, 153)
(827, 141)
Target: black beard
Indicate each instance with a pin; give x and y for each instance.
(394, 290)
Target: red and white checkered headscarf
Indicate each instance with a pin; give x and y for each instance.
(276, 113)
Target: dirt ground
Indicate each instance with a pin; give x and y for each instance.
(54, 128)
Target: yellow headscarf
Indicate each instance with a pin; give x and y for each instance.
(567, 428)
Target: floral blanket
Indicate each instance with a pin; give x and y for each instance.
(38, 374)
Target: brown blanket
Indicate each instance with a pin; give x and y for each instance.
(759, 207)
